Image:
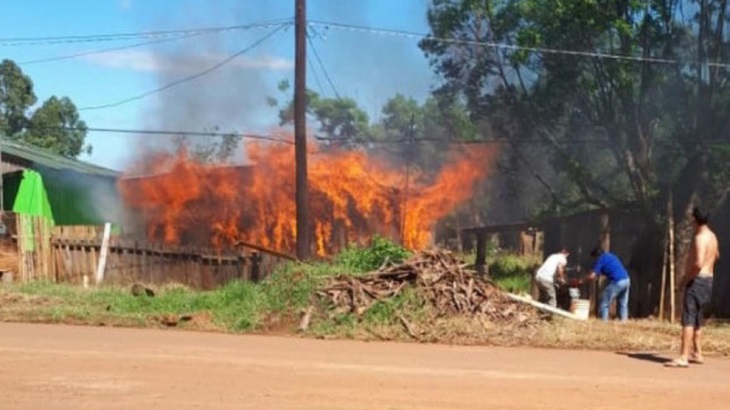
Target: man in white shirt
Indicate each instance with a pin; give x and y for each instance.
(553, 266)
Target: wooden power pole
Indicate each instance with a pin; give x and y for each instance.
(300, 129)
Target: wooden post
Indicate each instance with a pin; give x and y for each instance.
(672, 280)
(255, 266)
(481, 259)
(662, 295)
(103, 253)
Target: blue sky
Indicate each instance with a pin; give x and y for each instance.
(366, 66)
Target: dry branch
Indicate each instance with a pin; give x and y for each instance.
(439, 278)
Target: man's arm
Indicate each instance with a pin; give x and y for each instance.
(597, 267)
(561, 272)
(696, 259)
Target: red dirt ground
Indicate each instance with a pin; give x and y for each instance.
(68, 367)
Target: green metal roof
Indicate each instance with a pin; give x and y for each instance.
(46, 158)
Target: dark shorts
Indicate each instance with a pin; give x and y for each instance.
(697, 298)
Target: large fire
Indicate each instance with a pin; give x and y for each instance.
(353, 196)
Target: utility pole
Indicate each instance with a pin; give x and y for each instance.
(300, 129)
(409, 160)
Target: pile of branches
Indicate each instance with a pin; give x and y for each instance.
(439, 278)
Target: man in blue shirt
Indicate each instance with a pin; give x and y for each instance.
(619, 283)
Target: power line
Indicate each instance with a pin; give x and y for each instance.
(106, 50)
(181, 133)
(517, 140)
(321, 65)
(89, 38)
(545, 50)
(146, 43)
(272, 138)
(316, 76)
(190, 77)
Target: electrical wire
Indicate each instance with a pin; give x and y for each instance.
(321, 65)
(272, 138)
(544, 50)
(316, 76)
(190, 77)
(146, 43)
(107, 50)
(181, 133)
(33, 41)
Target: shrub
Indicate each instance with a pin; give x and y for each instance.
(510, 265)
(372, 257)
(512, 272)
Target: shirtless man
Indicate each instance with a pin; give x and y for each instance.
(697, 284)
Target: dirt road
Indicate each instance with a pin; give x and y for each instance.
(67, 367)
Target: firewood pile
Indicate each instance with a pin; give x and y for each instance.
(439, 278)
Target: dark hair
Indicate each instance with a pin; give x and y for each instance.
(700, 217)
(597, 251)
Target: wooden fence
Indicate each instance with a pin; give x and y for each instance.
(25, 247)
(31, 249)
(77, 250)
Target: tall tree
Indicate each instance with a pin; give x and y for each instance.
(16, 96)
(56, 126)
(611, 124)
(341, 121)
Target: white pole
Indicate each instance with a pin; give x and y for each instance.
(102, 255)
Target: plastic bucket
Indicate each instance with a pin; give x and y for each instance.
(580, 308)
(574, 293)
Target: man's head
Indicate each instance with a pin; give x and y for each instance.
(597, 251)
(564, 251)
(701, 217)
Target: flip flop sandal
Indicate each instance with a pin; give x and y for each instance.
(678, 363)
(694, 360)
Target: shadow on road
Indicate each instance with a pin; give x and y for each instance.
(649, 357)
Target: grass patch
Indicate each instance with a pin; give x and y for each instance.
(278, 302)
(239, 306)
(364, 259)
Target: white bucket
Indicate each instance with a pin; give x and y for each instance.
(580, 308)
(574, 293)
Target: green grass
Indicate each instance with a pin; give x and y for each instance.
(515, 284)
(238, 306)
(246, 306)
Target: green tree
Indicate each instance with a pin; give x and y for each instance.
(55, 125)
(16, 96)
(341, 120)
(638, 115)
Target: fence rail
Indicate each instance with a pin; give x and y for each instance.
(37, 251)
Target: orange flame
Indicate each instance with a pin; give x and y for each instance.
(353, 196)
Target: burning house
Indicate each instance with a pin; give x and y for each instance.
(353, 197)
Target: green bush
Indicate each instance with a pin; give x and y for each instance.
(513, 273)
(509, 265)
(360, 259)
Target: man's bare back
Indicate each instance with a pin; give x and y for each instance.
(703, 254)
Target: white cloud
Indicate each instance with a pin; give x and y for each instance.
(147, 61)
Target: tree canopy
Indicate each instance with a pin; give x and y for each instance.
(621, 94)
(55, 125)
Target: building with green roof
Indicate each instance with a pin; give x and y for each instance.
(79, 193)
